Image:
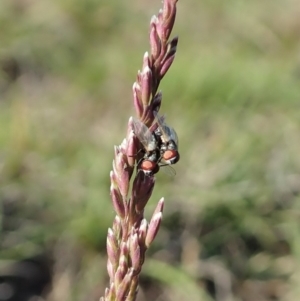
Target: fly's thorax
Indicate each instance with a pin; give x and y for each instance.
(153, 156)
(152, 145)
(163, 148)
(172, 145)
(158, 132)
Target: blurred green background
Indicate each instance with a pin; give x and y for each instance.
(231, 228)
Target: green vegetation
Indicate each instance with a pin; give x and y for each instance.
(232, 94)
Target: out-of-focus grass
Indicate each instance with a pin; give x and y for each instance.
(233, 96)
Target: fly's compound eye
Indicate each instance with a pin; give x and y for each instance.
(171, 156)
(149, 167)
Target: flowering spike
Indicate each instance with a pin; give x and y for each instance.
(131, 234)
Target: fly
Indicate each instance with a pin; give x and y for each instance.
(168, 141)
(150, 163)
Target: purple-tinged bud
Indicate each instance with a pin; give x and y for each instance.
(110, 294)
(172, 45)
(136, 100)
(112, 247)
(166, 9)
(159, 26)
(121, 271)
(143, 232)
(130, 127)
(135, 252)
(131, 147)
(121, 172)
(160, 206)
(113, 178)
(146, 60)
(156, 102)
(117, 201)
(139, 79)
(106, 293)
(136, 85)
(142, 190)
(117, 228)
(123, 263)
(169, 15)
(155, 42)
(160, 16)
(125, 179)
(131, 151)
(153, 228)
(166, 65)
(170, 50)
(124, 287)
(123, 146)
(124, 249)
(146, 85)
(154, 20)
(134, 288)
(146, 118)
(110, 270)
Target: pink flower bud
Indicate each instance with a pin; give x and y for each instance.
(153, 228)
(117, 201)
(146, 85)
(166, 65)
(123, 288)
(155, 42)
(135, 252)
(146, 60)
(143, 232)
(142, 190)
(112, 248)
(137, 100)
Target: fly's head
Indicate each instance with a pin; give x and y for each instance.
(149, 167)
(171, 156)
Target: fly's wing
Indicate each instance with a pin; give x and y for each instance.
(155, 125)
(168, 133)
(144, 134)
(173, 136)
(162, 126)
(169, 170)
